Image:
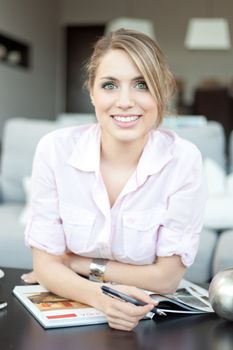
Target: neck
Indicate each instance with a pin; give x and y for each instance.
(121, 153)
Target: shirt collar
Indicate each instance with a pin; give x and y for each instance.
(86, 153)
(156, 154)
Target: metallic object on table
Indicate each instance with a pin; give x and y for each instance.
(221, 294)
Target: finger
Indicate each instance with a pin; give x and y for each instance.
(128, 311)
(29, 278)
(138, 311)
(122, 324)
(121, 312)
(131, 309)
(137, 293)
(141, 295)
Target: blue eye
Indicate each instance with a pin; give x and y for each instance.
(141, 85)
(109, 86)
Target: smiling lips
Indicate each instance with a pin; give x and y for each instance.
(126, 120)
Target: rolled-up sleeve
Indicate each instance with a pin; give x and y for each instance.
(44, 229)
(182, 222)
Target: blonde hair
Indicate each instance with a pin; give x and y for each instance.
(147, 56)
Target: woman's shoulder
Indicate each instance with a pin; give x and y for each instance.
(67, 136)
(177, 144)
(184, 155)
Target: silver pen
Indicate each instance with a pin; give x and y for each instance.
(115, 293)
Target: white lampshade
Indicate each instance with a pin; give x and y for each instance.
(208, 34)
(142, 25)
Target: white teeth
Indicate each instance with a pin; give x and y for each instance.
(132, 118)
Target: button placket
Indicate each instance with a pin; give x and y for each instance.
(100, 197)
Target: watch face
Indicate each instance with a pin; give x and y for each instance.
(1, 273)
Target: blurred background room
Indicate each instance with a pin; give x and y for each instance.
(43, 47)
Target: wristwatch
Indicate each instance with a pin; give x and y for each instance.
(97, 269)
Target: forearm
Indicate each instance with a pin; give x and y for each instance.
(162, 276)
(149, 277)
(54, 275)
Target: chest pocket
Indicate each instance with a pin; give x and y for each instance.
(140, 231)
(78, 224)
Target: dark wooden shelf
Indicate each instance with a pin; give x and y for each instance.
(13, 52)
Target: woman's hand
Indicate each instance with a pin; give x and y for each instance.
(123, 315)
(120, 314)
(30, 277)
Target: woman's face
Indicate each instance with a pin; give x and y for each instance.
(123, 104)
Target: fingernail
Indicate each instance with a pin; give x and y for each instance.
(24, 278)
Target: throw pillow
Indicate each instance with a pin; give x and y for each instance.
(218, 213)
(215, 176)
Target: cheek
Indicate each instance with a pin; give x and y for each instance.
(102, 101)
(149, 104)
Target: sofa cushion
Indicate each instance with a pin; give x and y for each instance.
(20, 138)
(218, 212)
(215, 177)
(25, 214)
(210, 140)
(72, 119)
(13, 251)
(223, 257)
(200, 271)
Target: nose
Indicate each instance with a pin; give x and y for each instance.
(125, 99)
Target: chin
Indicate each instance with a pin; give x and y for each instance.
(129, 136)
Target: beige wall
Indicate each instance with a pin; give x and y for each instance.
(170, 18)
(30, 93)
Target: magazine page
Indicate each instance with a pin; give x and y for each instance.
(54, 311)
(196, 296)
(188, 298)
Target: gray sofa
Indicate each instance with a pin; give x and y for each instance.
(19, 142)
(20, 138)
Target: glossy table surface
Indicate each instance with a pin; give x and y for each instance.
(20, 331)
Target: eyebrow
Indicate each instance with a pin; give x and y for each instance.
(140, 77)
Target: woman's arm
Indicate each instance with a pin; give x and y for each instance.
(163, 276)
(52, 273)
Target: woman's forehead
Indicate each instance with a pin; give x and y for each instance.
(116, 63)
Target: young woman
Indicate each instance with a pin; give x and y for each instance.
(119, 201)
